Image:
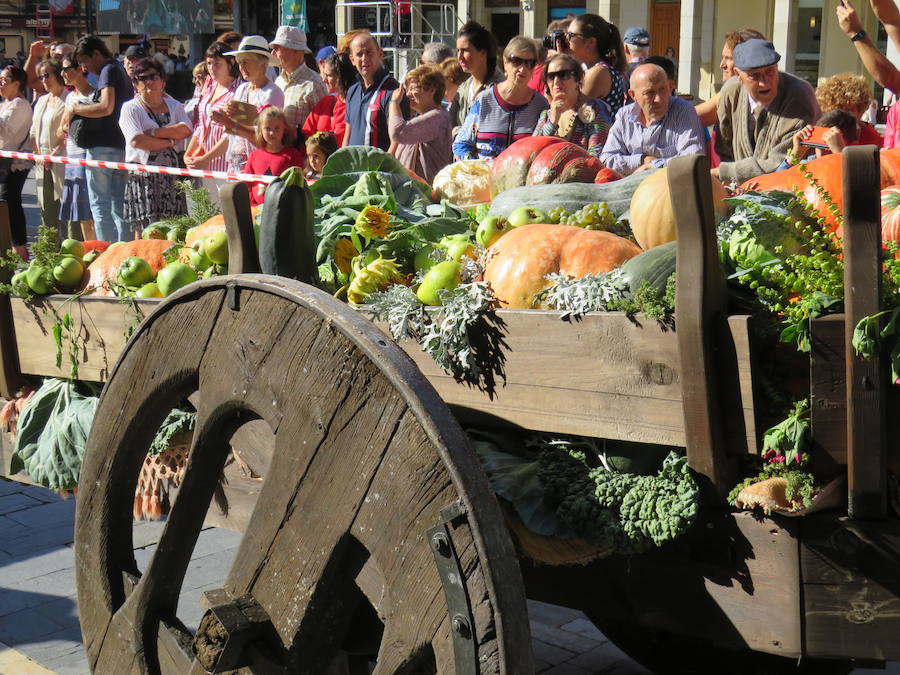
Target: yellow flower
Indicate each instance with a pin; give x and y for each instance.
(344, 252)
(373, 222)
(376, 276)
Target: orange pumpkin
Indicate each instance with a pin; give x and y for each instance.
(211, 226)
(519, 262)
(652, 216)
(827, 172)
(106, 265)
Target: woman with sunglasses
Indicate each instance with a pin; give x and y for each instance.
(505, 112)
(597, 44)
(154, 125)
(15, 134)
(75, 204)
(49, 111)
(572, 116)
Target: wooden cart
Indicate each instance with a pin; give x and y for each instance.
(374, 537)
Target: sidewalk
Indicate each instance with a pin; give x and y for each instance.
(39, 630)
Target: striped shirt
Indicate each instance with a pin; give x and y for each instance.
(679, 132)
(493, 124)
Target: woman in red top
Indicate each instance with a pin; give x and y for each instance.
(329, 113)
(274, 154)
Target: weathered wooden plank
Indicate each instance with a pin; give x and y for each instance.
(859, 621)
(700, 309)
(843, 551)
(738, 342)
(866, 452)
(10, 373)
(732, 580)
(828, 388)
(243, 257)
(101, 325)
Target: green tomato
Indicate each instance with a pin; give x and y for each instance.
(525, 215)
(89, 257)
(444, 275)
(490, 230)
(155, 231)
(19, 283)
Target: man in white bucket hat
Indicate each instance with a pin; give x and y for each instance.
(301, 85)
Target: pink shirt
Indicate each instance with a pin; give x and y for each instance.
(892, 127)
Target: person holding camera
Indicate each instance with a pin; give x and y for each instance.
(572, 116)
(597, 44)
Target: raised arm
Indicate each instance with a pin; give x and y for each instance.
(887, 13)
(884, 72)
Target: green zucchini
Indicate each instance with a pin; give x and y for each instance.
(287, 242)
(654, 266)
(570, 196)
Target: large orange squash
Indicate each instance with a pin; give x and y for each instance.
(890, 214)
(211, 226)
(106, 265)
(827, 172)
(518, 264)
(652, 216)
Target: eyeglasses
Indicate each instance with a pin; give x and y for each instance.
(559, 75)
(149, 77)
(570, 35)
(516, 62)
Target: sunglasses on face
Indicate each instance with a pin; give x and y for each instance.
(559, 75)
(149, 77)
(516, 62)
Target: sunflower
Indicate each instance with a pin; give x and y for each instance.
(373, 222)
(344, 252)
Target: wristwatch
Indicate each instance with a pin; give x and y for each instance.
(857, 36)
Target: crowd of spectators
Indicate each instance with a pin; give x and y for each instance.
(260, 106)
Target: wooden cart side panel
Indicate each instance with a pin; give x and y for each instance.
(851, 587)
(101, 324)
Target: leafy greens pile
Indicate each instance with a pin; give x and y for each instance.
(566, 489)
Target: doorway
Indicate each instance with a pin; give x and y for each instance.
(505, 24)
(665, 27)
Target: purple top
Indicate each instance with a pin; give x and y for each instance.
(679, 132)
(423, 142)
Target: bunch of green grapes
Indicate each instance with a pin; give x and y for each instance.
(557, 214)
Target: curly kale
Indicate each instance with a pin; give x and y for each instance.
(628, 513)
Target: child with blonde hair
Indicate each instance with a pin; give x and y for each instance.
(274, 153)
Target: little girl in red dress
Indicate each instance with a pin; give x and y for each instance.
(274, 153)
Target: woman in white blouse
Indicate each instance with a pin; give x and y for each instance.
(15, 134)
(49, 111)
(155, 126)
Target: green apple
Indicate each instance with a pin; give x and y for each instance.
(198, 258)
(444, 275)
(490, 230)
(19, 283)
(155, 231)
(72, 247)
(39, 279)
(173, 276)
(457, 246)
(68, 272)
(134, 271)
(150, 290)
(215, 246)
(177, 233)
(525, 215)
(90, 256)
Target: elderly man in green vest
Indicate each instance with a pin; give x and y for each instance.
(759, 112)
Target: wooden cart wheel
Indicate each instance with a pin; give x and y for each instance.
(372, 490)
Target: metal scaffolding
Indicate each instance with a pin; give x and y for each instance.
(401, 28)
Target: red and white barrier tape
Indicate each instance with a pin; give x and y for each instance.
(140, 168)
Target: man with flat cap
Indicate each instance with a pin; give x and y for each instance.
(759, 111)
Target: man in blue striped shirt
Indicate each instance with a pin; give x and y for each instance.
(655, 128)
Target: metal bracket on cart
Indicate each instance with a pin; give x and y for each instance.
(462, 623)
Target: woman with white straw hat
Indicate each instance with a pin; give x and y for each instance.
(253, 57)
(302, 86)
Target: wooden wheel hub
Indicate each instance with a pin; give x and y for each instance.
(366, 458)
